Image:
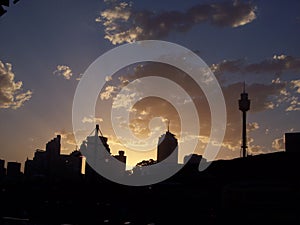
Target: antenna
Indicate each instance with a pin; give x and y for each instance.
(97, 130)
(244, 106)
(168, 121)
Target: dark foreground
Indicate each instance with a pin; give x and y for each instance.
(261, 189)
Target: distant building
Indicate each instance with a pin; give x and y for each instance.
(70, 165)
(28, 167)
(292, 142)
(53, 147)
(192, 159)
(13, 169)
(52, 164)
(2, 168)
(167, 148)
(92, 144)
(122, 158)
(103, 157)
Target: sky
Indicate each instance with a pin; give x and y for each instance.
(46, 47)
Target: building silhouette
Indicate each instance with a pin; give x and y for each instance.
(93, 144)
(51, 164)
(2, 168)
(292, 142)
(167, 148)
(122, 158)
(13, 169)
(244, 106)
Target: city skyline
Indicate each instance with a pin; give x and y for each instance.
(46, 47)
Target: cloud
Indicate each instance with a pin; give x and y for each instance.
(107, 94)
(261, 96)
(67, 137)
(296, 85)
(275, 65)
(108, 78)
(294, 104)
(278, 144)
(91, 120)
(252, 126)
(124, 24)
(124, 100)
(11, 93)
(64, 71)
(264, 97)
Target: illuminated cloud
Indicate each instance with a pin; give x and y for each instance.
(254, 149)
(79, 77)
(260, 95)
(108, 78)
(288, 95)
(107, 94)
(263, 97)
(63, 71)
(294, 104)
(278, 144)
(123, 100)
(11, 93)
(91, 120)
(296, 85)
(252, 126)
(67, 137)
(124, 24)
(275, 65)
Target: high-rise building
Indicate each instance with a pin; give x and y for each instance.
(2, 167)
(28, 167)
(93, 144)
(292, 142)
(167, 148)
(54, 165)
(53, 148)
(122, 158)
(13, 169)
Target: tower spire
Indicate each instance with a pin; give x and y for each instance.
(244, 106)
(97, 130)
(168, 125)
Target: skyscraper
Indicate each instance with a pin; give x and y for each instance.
(292, 142)
(167, 148)
(2, 168)
(13, 169)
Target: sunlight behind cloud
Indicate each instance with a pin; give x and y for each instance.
(11, 93)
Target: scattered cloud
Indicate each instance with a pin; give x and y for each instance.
(296, 85)
(125, 24)
(275, 65)
(124, 100)
(67, 137)
(92, 120)
(294, 104)
(252, 126)
(64, 71)
(263, 96)
(79, 77)
(107, 94)
(108, 78)
(278, 144)
(11, 92)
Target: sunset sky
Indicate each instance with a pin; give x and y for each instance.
(46, 46)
